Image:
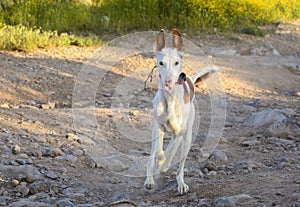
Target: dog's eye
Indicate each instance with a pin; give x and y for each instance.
(161, 63)
(176, 63)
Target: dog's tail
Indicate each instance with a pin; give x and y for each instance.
(204, 73)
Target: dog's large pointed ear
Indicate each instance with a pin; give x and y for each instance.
(177, 40)
(159, 41)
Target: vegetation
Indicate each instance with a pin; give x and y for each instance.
(102, 17)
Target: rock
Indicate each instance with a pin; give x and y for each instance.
(100, 204)
(71, 136)
(5, 106)
(54, 152)
(211, 166)
(21, 188)
(223, 51)
(38, 187)
(32, 103)
(283, 128)
(28, 107)
(78, 152)
(212, 173)
(48, 105)
(203, 203)
(246, 109)
(264, 118)
(67, 158)
(249, 143)
(121, 200)
(26, 173)
(16, 149)
(134, 113)
(293, 67)
(253, 102)
(219, 155)
(64, 203)
(264, 50)
(232, 201)
(41, 197)
(23, 156)
(27, 202)
(14, 182)
(51, 175)
(288, 112)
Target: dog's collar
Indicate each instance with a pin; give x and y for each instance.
(181, 79)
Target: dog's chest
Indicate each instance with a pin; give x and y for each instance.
(172, 114)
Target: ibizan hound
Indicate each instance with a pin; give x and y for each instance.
(173, 109)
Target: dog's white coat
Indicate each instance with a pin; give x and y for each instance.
(171, 111)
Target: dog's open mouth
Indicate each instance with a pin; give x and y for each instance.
(168, 88)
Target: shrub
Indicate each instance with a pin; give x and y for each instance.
(26, 39)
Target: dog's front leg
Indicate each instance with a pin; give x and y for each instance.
(185, 148)
(156, 150)
(171, 150)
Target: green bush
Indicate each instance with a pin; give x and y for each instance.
(23, 39)
(122, 16)
(115, 17)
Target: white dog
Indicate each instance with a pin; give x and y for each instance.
(173, 109)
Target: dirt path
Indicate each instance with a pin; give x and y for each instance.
(93, 154)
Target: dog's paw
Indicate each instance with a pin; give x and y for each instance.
(183, 188)
(149, 183)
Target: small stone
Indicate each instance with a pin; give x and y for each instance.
(26, 202)
(249, 143)
(212, 173)
(23, 156)
(231, 201)
(68, 158)
(21, 188)
(51, 175)
(14, 182)
(115, 180)
(16, 149)
(211, 166)
(31, 103)
(106, 94)
(20, 161)
(71, 136)
(223, 52)
(54, 152)
(203, 203)
(219, 155)
(27, 173)
(65, 203)
(205, 171)
(49, 105)
(293, 67)
(78, 152)
(264, 118)
(134, 113)
(246, 109)
(5, 106)
(38, 187)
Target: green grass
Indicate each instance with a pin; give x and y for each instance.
(117, 17)
(24, 39)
